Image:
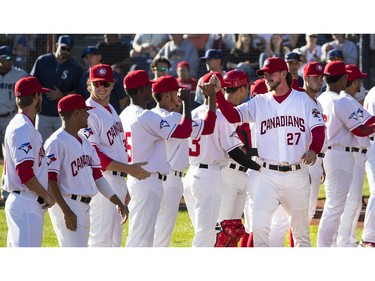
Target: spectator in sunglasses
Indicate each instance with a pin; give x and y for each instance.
(60, 73)
(159, 67)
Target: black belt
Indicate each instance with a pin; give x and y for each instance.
(121, 174)
(240, 168)
(40, 199)
(203, 166)
(282, 168)
(321, 155)
(353, 149)
(6, 114)
(179, 174)
(362, 150)
(162, 177)
(86, 200)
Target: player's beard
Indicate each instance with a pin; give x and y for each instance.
(273, 86)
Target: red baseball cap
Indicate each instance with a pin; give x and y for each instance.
(236, 78)
(166, 84)
(183, 63)
(28, 86)
(334, 68)
(207, 76)
(355, 73)
(101, 72)
(258, 87)
(137, 79)
(313, 69)
(272, 65)
(71, 102)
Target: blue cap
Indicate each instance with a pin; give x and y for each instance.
(290, 56)
(90, 50)
(335, 53)
(66, 40)
(6, 53)
(212, 54)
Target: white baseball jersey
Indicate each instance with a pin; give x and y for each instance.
(178, 149)
(289, 122)
(7, 82)
(369, 102)
(146, 133)
(23, 142)
(73, 162)
(341, 117)
(105, 131)
(362, 115)
(214, 148)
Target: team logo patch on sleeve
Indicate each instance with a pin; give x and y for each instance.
(234, 135)
(359, 112)
(25, 147)
(51, 158)
(316, 114)
(87, 132)
(164, 124)
(353, 116)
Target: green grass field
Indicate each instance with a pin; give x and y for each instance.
(182, 235)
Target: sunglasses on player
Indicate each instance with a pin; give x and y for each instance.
(98, 84)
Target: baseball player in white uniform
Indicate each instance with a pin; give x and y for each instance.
(208, 155)
(146, 133)
(313, 81)
(368, 234)
(258, 87)
(9, 75)
(234, 176)
(74, 175)
(343, 125)
(165, 91)
(346, 236)
(105, 132)
(290, 134)
(25, 170)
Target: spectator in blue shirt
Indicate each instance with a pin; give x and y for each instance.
(60, 73)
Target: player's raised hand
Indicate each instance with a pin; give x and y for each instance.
(309, 157)
(136, 170)
(215, 82)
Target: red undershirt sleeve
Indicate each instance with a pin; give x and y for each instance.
(183, 130)
(104, 159)
(52, 176)
(209, 123)
(25, 171)
(370, 121)
(228, 109)
(318, 136)
(97, 173)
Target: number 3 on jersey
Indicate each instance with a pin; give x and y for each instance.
(195, 148)
(128, 146)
